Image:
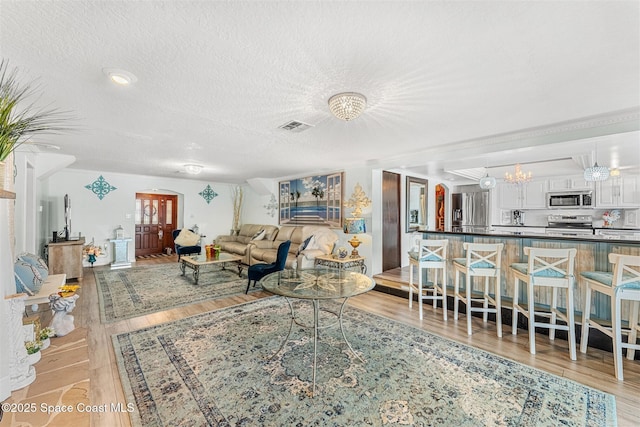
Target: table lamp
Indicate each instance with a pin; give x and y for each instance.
(354, 226)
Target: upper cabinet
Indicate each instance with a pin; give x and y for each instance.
(528, 196)
(569, 183)
(618, 192)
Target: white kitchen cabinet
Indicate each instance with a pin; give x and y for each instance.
(527, 196)
(618, 192)
(631, 218)
(569, 183)
(509, 196)
(534, 195)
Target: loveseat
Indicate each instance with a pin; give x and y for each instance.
(239, 244)
(307, 242)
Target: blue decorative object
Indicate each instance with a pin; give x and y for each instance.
(208, 194)
(100, 187)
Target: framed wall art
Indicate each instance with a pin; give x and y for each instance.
(312, 200)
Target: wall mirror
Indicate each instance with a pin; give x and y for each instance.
(416, 209)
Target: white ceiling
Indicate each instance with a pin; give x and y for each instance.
(217, 79)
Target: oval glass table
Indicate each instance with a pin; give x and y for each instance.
(315, 285)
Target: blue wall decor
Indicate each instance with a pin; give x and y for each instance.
(100, 187)
(208, 194)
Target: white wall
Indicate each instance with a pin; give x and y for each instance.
(97, 219)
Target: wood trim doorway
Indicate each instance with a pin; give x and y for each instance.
(390, 220)
(156, 216)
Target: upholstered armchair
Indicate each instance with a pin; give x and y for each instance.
(186, 243)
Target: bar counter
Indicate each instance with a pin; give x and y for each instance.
(592, 254)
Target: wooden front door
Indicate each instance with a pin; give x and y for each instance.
(390, 220)
(156, 216)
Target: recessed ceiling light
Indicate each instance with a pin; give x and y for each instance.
(120, 77)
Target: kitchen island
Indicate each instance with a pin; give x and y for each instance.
(593, 252)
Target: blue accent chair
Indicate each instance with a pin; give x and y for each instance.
(184, 250)
(257, 271)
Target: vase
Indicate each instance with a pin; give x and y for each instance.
(33, 358)
(2, 173)
(45, 343)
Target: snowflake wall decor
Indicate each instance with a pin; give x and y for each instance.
(272, 206)
(208, 194)
(100, 187)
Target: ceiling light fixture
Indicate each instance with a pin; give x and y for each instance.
(120, 77)
(487, 182)
(518, 177)
(596, 173)
(193, 169)
(348, 105)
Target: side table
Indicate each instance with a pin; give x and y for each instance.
(349, 263)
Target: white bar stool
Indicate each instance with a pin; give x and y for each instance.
(623, 284)
(550, 268)
(483, 260)
(430, 254)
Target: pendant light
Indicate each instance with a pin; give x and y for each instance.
(596, 172)
(487, 182)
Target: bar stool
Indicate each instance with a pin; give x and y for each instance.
(550, 268)
(621, 285)
(483, 260)
(430, 254)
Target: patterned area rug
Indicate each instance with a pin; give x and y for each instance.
(137, 291)
(215, 369)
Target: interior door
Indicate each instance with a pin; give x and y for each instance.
(156, 216)
(390, 220)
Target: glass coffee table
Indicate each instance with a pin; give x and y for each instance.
(316, 285)
(194, 262)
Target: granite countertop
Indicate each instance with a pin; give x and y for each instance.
(631, 239)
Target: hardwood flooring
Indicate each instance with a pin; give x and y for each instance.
(80, 368)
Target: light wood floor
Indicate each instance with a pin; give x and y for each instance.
(81, 367)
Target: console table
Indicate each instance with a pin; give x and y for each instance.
(66, 258)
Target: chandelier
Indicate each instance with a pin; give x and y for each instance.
(596, 173)
(518, 177)
(348, 105)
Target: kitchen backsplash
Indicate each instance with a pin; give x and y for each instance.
(538, 217)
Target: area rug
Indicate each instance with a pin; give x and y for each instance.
(138, 291)
(215, 369)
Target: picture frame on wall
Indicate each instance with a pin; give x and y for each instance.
(312, 200)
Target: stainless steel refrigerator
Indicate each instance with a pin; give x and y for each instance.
(470, 211)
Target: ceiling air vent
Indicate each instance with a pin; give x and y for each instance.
(295, 126)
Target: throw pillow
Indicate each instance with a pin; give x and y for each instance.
(321, 242)
(187, 238)
(259, 235)
(28, 278)
(37, 262)
(304, 244)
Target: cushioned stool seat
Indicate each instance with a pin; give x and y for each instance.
(621, 285)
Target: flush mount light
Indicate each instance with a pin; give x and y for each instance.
(120, 77)
(193, 169)
(348, 105)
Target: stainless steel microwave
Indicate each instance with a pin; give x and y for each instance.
(570, 200)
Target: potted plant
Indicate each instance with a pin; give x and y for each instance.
(20, 119)
(33, 351)
(44, 337)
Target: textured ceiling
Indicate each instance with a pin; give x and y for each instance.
(217, 79)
